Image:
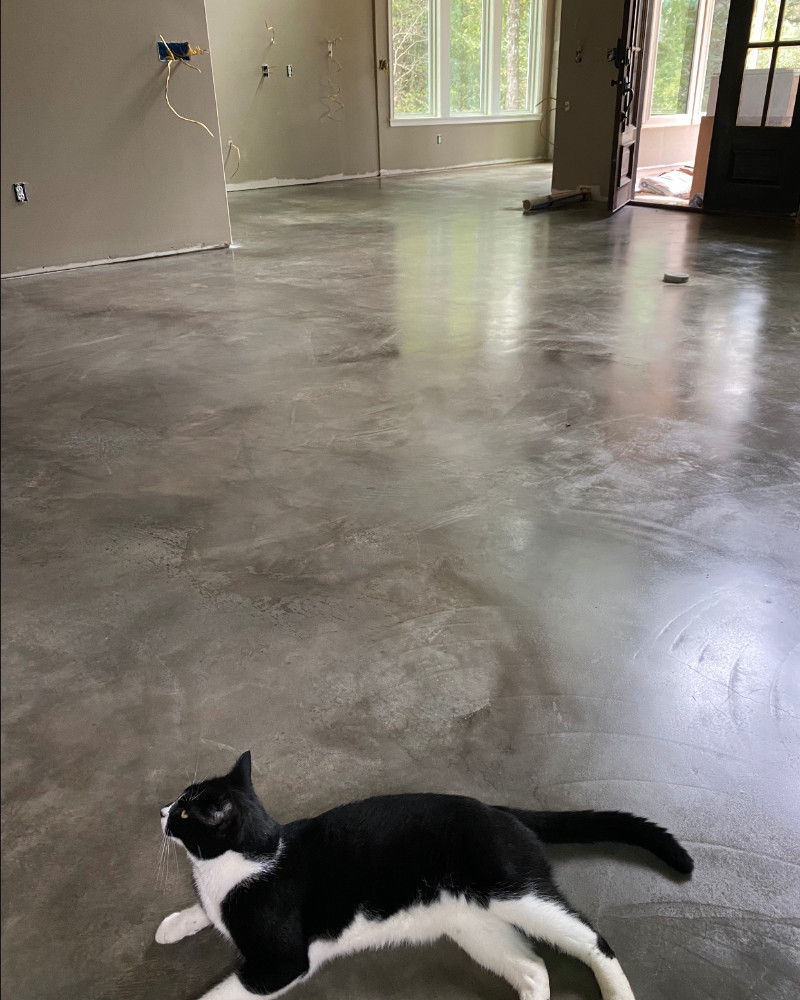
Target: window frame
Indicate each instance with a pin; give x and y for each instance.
(697, 73)
(491, 62)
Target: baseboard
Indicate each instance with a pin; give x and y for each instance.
(115, 260)
(462, 166)
(274, 182)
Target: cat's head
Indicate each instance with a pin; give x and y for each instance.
(219, 814)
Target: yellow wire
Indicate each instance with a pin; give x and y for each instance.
(172, 59)
(270, 28)
(239, 160)
(334, 65)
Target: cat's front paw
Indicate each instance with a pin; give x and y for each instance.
(172, 929)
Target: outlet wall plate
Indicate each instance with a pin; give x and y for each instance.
(20, 192)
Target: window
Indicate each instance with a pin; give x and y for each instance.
(688, 54)
(677, 30)
(411, 56)
(465, 59)
(772, 66)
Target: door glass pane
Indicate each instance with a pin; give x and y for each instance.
(765, 20)
(754, 87)
(677, 28)
(466, 47)
(411, 56)
(784, 87)
(516, 47)
(790, 26)
(719, 25)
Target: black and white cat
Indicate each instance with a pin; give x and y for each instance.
(389, 870)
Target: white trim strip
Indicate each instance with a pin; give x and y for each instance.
(504, 119)
(460, 166)
(295, 181)
(115, 260)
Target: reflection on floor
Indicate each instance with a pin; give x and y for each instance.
(410, 491)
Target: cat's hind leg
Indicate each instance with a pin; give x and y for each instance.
(501, 949)
(180, 925)
(552, 920)
(251, 982)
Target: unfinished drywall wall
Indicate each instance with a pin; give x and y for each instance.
(414, 147)
(288, 128)
(111, 173)
(584, 134)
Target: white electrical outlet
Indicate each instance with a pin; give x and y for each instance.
(439, 139)
(289, 70)
(19, 191)
(566, 105)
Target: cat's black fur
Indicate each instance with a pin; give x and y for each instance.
(376, 858)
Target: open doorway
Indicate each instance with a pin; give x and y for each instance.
(687, 38)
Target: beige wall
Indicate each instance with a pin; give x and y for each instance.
(110, 172)
(584, 134)
(280, 123)
(414, 147)
(667, 144)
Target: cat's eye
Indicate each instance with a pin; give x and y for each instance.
(184, 814)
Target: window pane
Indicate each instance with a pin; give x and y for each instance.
(754, 87)
(719, 25)
(466, 46)
(790, 26)
(765, 20)
(784, 87)
(676, 33)
(411, 50)
(516, 47)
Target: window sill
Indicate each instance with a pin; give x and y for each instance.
(671, 121)
(465, 120)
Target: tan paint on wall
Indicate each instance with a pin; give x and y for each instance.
(667, 144)
(110, 172)
(584, 134)
(281, 123)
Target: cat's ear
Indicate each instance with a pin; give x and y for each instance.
(240, 772)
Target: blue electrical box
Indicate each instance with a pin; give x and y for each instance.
(179, 50)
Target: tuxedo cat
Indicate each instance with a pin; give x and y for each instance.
(389, 870)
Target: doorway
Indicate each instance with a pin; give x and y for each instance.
(686, 42)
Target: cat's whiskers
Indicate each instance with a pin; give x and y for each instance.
(160, 862)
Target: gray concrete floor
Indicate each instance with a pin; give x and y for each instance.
(408, 492)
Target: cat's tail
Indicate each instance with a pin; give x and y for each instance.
(590, 827)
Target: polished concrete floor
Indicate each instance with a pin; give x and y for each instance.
(409, 491)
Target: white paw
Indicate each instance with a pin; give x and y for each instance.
(172, 929)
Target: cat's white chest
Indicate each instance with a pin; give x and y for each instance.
(215, 878)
